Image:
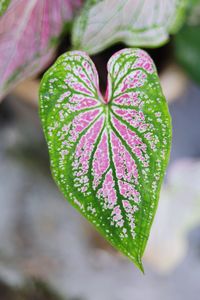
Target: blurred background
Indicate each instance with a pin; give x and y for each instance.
(49, 251)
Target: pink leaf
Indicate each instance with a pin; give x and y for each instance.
(27, 31)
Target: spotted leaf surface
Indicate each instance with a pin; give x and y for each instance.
(28, 30)
(134, 22)
(108, 154)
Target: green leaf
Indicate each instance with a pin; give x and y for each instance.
(108, 154)
(134, 22)
(194, 13)
(187, 42)
(187, 50)
(3, 6)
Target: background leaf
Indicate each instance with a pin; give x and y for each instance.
(3, 6)
(108, 156)
(27, 31)
(187, 43)
(134, 22)
(187, 50)
(194, 13)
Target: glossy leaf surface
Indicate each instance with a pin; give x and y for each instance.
(108, 155)
(27, 31)
(134, 22)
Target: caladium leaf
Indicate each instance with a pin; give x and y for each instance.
(3, 6)
(108, 155)
(27, 31)
(134, 22)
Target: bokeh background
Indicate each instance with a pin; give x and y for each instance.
(49, 251)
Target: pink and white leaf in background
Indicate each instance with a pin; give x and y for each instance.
(28, 30)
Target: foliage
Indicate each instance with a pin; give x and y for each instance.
(187, 44)
(108, 155)
(27, 31)
(3, 6)
(136, 23)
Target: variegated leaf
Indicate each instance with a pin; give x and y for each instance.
(3, 6)
(108, 154)
(134, 22)
(27, 34)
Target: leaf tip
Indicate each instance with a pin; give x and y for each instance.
(138, 263)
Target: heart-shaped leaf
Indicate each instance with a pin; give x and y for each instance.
(108, 155)
(134, 22)
(28, 30)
